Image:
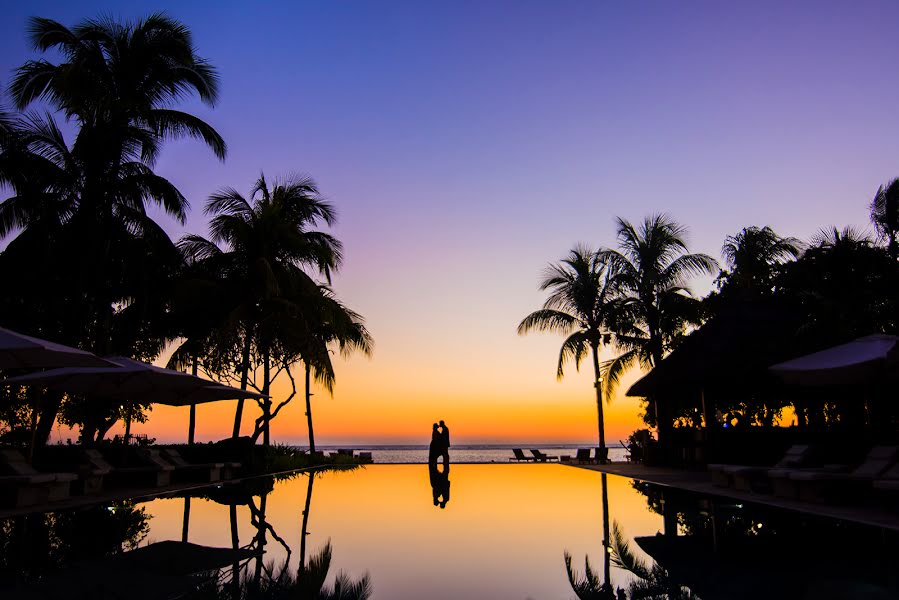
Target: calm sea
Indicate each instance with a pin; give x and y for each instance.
(467, 453)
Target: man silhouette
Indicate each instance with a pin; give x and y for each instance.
(444, 442)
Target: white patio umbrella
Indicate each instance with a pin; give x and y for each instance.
(19, 351)
(868, 358)
(134, 381)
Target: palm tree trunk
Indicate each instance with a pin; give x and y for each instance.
(244, 380)
(266, 402)
(309, 412)
(597, 383)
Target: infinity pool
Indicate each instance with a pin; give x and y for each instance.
(502, 533)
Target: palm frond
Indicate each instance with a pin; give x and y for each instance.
(548, 320)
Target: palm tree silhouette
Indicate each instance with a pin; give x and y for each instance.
(269, 247)
(885, 215)
(652, 269)
(93, 268)
(581, 306)
(309, 333)
(753, 254)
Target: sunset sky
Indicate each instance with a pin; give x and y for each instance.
(467, 144)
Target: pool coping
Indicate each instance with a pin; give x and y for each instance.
(701, 482)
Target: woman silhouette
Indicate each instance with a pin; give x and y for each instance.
(435, 450)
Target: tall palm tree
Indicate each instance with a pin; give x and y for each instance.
(753, 253)
(88, 258)
(324, 322)
(119, 83)
(269, 246)
(580, 306)
(653, 268)
(885, 215)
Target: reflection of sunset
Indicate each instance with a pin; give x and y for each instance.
(505, 527)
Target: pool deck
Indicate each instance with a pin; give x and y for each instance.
(700, 482)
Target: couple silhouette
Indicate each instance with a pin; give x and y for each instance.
(440, 444)
(440, 484)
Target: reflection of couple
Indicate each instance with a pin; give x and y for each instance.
(440, 444)
(440, 484)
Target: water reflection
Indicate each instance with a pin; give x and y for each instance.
(258, 578)
(34, 544)
(721, 548)
(440, 484)
(503, 537)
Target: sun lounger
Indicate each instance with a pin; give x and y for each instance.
(186, 471)
(365, 457)
(827, 486)
(540, 457)
(583, 456)
(601, 456)
(19, 491)
(58, 484)
(747, 478)
(147, 475)
(887, 486)
(91, 477)
(520, 455)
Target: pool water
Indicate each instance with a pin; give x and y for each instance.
(501, 533)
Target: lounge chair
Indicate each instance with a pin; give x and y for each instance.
(58, 485)
(583, 456)
(19, 491)
(540, 457)
(825, 486)
(887, 486)
(747, 478)
(365, 457)
(186, 471)
(148, 475)
(91, 477)
(520, 456)
(601, 456)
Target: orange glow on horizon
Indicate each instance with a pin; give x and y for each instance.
(367, 408)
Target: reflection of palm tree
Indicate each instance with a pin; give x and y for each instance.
(308, 582)
(590, 587)
(580, 306)
(651, 582)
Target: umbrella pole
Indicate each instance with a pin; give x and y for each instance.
(192, 426)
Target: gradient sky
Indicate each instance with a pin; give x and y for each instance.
(467, 144)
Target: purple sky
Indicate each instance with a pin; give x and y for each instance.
(466, 144)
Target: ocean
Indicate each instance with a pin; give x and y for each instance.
(470, 453)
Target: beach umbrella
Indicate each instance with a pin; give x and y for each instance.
(18, 351)
(866, 359)
(134, 381)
